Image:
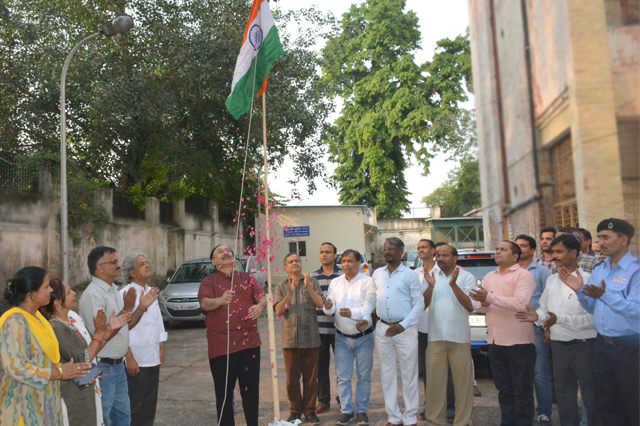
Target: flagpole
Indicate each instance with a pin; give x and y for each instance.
(272, 330)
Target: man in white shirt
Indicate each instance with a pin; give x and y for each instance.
(347, 295)
(399, 302)
(572, 334)
(146, 343)
(447, 297)
(426, 252)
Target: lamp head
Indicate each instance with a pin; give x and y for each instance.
(122, 24)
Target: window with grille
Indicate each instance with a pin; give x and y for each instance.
(630, 12)
(299, 247)
(565, 207)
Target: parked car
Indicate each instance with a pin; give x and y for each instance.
(365, 266)
(479, 264)
(179, 300)
(409, 258)
(254, 267)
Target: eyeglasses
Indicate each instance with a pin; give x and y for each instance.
(113, 262)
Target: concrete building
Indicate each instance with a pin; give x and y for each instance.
(302, 229)
(557, 92)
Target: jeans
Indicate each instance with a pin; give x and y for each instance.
(359, 350)
(541, 375)
(115, 395)
(615, 374)
(513, 369)
(327, 342)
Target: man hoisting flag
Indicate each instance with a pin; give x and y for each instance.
(260, 47)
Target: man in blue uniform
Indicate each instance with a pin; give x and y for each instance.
(612, 295)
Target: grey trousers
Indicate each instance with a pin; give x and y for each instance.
(572, 365)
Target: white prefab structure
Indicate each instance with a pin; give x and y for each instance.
(303, 229)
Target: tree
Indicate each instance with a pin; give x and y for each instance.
(460, 193)
(145, 110)
(393, 109)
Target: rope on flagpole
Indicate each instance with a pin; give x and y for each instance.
(238, 215)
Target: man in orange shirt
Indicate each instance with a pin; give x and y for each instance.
(512, 350)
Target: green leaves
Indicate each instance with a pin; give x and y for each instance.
(146, 110)
(391, 104)
(460, 193)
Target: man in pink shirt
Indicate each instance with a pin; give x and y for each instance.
(512, 350)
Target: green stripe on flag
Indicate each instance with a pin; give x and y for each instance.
(239, 101)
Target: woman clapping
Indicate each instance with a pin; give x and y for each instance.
(30, 369)
(76, 343)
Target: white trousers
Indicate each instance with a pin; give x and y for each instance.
(404, 347)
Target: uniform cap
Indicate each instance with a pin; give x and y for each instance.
(617, 225)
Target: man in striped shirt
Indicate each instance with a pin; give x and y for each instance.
(327, 272)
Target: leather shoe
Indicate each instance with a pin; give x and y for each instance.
(393, 424)
(322, 407)
(476, 391)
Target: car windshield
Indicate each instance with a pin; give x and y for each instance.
(193, 272)
(339, 259)
(479, 268)
(243, 262)
(411, 257)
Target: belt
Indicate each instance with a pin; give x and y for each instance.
(619, 339)
(571, 342)
(390, 322)
(109, 360)
(355, 336)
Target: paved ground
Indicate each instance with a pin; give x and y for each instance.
(186, 395)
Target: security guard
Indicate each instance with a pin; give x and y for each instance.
(612, 295)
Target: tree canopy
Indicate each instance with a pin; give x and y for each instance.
(393, 108)
(145, 110)
(460, 193)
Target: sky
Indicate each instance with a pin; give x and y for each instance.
(437, 19)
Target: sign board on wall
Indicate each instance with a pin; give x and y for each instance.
(296, 231)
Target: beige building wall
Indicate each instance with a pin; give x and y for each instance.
(346, 227)
(585, 78)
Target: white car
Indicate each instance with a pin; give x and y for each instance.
(365, 266)
(251, 265)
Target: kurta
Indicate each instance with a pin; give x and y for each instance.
(25, 389)
(81, 405)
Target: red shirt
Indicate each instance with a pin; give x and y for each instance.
(243, 331)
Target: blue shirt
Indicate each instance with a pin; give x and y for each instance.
(540, 274)
(617, 312)
(398, 296)
(326, 323)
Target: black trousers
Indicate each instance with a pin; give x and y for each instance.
(513, 368)
(616, 377)
(244, 367)
(572, 365)
(143, 395)
(327, 344)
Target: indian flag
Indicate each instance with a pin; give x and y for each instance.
(260, 47)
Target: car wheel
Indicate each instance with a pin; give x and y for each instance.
(166, 324)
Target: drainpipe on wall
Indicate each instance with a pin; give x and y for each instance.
(532, 118)
(532, 115)
(503, 149)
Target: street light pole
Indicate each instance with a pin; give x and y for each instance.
(121, 24)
